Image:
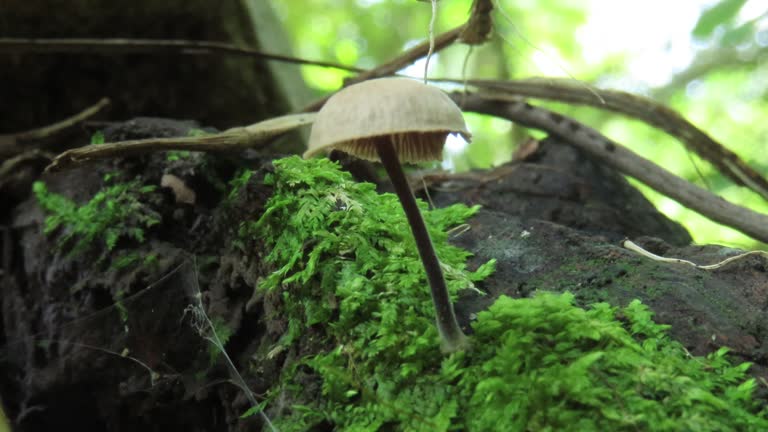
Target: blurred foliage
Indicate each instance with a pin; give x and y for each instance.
(704, 58)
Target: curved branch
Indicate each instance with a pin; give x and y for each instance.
(613, 154)
(12, 144)
(149, 46)
(710, 61)
(647, 110)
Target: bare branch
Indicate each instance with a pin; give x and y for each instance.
(12, 144)
(707, 62)
(647, 110)
(230, 140)
(150, 46)
(620, 158)
(408, 57)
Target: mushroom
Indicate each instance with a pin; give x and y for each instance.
(392, 120)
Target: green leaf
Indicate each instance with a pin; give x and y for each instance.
(717, 15)
(739, 35)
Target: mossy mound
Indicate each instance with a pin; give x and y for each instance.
(546, 364)
(347, 267)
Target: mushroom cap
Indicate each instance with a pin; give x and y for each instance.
(416, 117)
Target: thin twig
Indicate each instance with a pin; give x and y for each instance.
(431, 40)
(408, 57)
(620, 158)
(647, 110)
(637, 248)
(150, 46)
(12, 144)
(709, 61)
(10, 167)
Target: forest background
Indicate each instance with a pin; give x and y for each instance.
(706, 59)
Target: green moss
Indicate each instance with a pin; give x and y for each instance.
(125, 259)
(115, 212)
(347, 269)
(195, 132)
(237, 183)
(554, 366)
(176, 155)
(97, 138)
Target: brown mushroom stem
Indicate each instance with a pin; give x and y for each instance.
(453, 339)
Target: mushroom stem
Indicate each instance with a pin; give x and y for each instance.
(452, 338)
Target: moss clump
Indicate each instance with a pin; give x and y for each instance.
(115, 212)
(347, 266)
(329, 234)
(544, 364)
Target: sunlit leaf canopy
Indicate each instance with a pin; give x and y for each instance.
(706, 59)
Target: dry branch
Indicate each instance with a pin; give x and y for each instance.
(150, 46)
(20, 142)
(620, 158)
(230, 140)
(644, 109)
(389, 68)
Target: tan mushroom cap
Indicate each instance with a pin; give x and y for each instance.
(415, 116)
